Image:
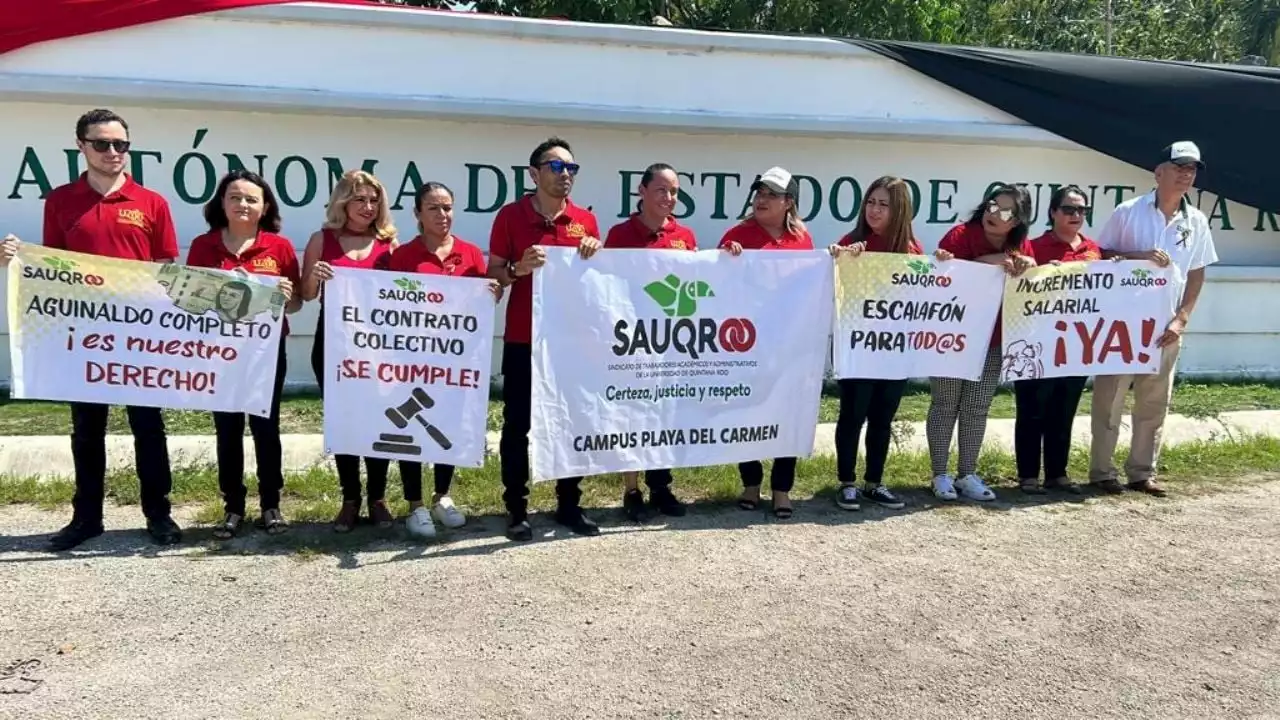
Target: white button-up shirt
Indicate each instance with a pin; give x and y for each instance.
(1138, 225)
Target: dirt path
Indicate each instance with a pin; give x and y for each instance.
(1128, 609)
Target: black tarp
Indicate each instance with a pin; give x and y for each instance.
(1127, 109)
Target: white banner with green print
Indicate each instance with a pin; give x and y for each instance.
(910, 316)
(649, 359)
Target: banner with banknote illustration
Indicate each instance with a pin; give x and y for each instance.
(85, 328)
(406, 366)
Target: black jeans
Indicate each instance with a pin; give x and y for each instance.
(875, 403)
(411, 478)
(513, 448)
(1046, 412)
(89, 455)
(781, 479)
(229, 428)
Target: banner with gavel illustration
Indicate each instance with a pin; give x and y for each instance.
(400, 416)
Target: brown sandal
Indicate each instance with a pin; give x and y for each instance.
(273, 522)
(347, 518)
(381, 515)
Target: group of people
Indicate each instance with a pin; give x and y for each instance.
(357, 232)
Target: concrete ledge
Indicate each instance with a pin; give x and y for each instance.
(50, 456)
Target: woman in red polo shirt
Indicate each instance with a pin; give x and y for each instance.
(436, 251)
(652, 226)
(357, 233)
(996, 234)
(243, 224)
(884, 226)
(772, 224)
(1046, 408)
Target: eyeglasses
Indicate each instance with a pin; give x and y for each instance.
(120, 146)
(1073, 210)
(1005, 214)
(559, 166)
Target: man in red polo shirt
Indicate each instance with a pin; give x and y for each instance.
(520, 230)
(106, 213)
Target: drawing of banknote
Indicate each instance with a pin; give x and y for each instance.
(234, 296)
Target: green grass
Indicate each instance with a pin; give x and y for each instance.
(303, 413)
(314, 496)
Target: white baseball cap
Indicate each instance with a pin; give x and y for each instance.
(778, 180)
(1183, 152)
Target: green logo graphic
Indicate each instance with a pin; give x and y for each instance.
(1141, 274)
(59, 264)
(408, 285)
(920, 267)
(676, 297)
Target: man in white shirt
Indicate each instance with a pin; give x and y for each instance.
(1164, 228)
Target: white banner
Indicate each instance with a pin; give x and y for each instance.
(910, 316)
(1087, 318)
(406, 363)
(645, 359)
(85, 328)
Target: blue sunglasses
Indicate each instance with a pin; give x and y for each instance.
(559, 166)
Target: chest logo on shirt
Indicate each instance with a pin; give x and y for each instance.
(677, 244)
(265, 266)
(577, 231)
(132, 216)
(1091, 255)
(1184, 234)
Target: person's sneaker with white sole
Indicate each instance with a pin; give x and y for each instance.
(971, 487)
(448, 514)
(881, 496)
(847, 498)
(944, 487)
(420, 525)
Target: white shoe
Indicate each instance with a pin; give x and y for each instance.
(944, 487)
(972, 488)
(448, 514)
(420, 525)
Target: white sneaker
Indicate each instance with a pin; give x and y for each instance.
(972, 488)
(420, 525)
(448, 514)
(944, 487)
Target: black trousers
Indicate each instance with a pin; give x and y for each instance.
(229, 428)
(870, 402)
(658, 479)
(781, 479)
(376, 468)
(1046, 411)
(513, 448)
(89, 455)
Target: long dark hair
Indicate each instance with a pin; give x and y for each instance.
(1021, 209)
(649, 173)
(899, 234)
(216, 215)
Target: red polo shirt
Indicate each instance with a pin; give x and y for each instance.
(969, 242)
(1048, 248)
(270, 254)
(518, 227)
(632, 233)
(464, 259)
(875, 243)
(751, 236)
(132, 223)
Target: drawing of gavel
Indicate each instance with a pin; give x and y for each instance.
(411, 409)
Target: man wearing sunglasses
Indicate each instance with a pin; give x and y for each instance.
(1162, 227)
(520, 232)
(105, 212)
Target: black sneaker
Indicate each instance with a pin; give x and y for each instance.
(76, 532)
(664, 501)
(847, 498)
(519, 531)
(633, 506)
(577, 523)
(164, 531)
(881, 496)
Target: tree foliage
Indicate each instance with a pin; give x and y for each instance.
(1200, 30)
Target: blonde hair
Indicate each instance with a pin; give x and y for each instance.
(336, 215)
(792, 221)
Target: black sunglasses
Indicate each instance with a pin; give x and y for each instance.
(1073, 210)
(559, 166)
(121, 146)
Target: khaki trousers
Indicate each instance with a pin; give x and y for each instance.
(1151, 394)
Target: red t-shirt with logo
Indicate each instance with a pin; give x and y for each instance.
(875, 243)
(132, 223)
(969, 242)
(463, 260)
(518, 227)
(1048, 247)
(632, 233)
(752, 236)
(270, 254)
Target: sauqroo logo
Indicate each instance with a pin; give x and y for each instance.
(920, 275)
(409, 290)
(63, 271)
(1142, 278)
(680, 330)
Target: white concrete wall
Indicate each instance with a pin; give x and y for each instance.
(471, 121)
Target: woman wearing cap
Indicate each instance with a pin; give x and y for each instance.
(652, 227)
(773, 224)
(1046, 407)
(884, 225)
(357, 233)
(996, 234)
(244, 222)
